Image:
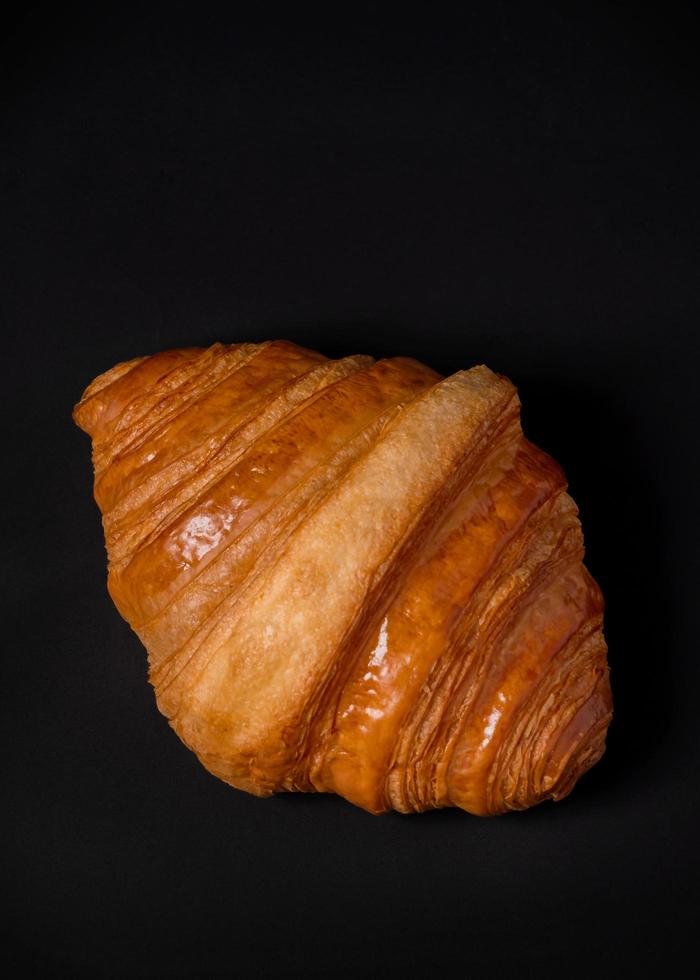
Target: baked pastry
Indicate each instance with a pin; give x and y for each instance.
(350, 576)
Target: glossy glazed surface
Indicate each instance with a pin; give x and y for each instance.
(351, 576)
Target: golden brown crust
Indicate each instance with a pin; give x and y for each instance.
(350, 576)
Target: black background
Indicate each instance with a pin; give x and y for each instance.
(512, 185)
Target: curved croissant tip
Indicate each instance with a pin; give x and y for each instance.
(82, 418)
(86, 413)
(350, 576)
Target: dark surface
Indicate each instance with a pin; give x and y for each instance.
(516, 188)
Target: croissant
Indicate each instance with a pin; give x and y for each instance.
(350, 576)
